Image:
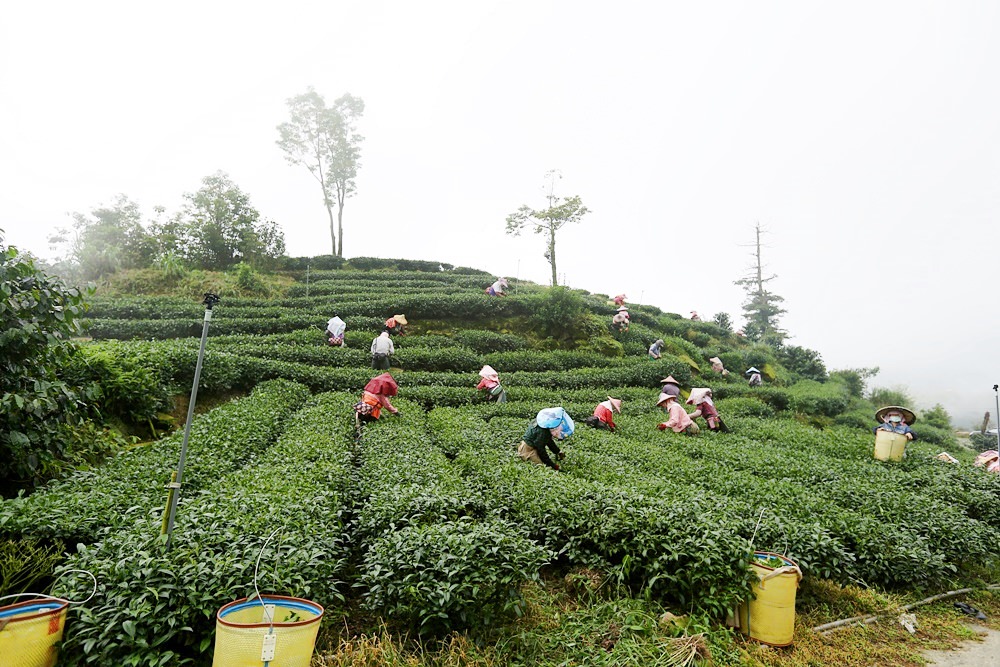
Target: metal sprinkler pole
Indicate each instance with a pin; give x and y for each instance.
(996, 395)
(175, 485)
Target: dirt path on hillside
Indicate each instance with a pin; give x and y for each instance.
(970, 653)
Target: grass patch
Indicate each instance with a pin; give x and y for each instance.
(574, 617)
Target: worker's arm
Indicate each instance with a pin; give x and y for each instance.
(384, 400)
(543, 454)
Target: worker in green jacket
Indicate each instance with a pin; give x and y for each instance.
(549, 426)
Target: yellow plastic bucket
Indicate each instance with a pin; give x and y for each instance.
(889, 446)
(29, 632)
(770, 618)
(275, 630)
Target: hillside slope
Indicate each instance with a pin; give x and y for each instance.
(431, 522)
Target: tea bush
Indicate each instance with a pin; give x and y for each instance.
(299, 489)
(130, 485)
(451, 575)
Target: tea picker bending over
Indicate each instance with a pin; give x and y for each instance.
(755, 380)
(621, 319)
(375, 397)
(497, 288)
(550, 425)
(701, 398)
(395, 324)
(335, 329)
(895, 419)
(717, 366)
(491, 383)
(656, 349)
(603, 416)
(680, 421)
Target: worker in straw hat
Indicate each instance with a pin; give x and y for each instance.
(670, 386)
(701, 398)
(680, 421)
(395, 324)
(620, 300)
(549, 426)
(603, 416)
(656, 349)
(755, 380)
(895, 419)
(621, 319)
(491, 383)
(717, 366)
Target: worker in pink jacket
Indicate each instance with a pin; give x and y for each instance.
(680, 421)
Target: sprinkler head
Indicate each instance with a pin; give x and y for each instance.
(210, 300)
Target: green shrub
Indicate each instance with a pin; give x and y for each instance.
(814, 398)
(38, 409)
(882, 396)
(485, 342)
(859, 419)
(983, 441)
(300, 488)
(451, 575)
(745, 407)
(556, 314)
(248, 280)
(932, 434)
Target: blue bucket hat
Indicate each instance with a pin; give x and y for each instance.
(553, 417)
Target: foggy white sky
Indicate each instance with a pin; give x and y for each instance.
(863, 135)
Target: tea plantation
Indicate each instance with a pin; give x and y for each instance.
(429, 522)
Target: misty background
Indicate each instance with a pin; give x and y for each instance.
(862, 136)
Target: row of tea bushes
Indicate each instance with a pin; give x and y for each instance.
(890, 525)
(130, 486)
(671, 547)
(156, 606)
(436, 556)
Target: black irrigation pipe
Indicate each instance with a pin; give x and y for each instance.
(827, 628)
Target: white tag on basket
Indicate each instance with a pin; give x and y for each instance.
(268, 614)
(267, 650)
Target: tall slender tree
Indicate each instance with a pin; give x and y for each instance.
(324, 139)
(549, 220)
(761, 308)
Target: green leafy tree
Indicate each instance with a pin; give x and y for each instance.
(560, 213)
(219, 227)
(898, 395)
(761, 308)
(38, 410)
(107, 239)
(723, 321)
(324, 139)
(806, 363)
(854, 379)
(937, 417)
